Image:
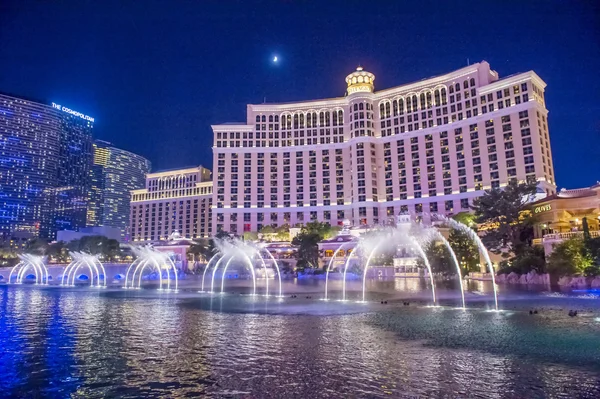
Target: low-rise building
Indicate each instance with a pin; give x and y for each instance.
(562, 216)
(106, 231)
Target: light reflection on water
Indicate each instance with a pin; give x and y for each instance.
(88, 343)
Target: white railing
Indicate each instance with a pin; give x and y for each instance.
(570, 234)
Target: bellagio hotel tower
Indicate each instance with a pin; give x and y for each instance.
(426, 147)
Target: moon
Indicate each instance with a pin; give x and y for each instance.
(275, 59)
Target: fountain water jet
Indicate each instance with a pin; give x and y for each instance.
(29, 261)
(367, 268)
(437, 235)
(426, 261)
(92, 263)
(147, 256)
(345, 271)
(276, 267)
(264, 265)
(208, 267)
(331, 262)
(212, 284)
(473, 235)
(250, 265)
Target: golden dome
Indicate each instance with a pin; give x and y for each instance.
(360, 81)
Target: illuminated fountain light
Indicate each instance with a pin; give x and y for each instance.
(229, 250)
(148, 257)
(84, 260)
(27, 262)
(405, 234)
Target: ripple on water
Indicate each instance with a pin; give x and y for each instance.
(84, 343)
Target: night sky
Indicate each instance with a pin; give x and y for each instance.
(156, 75)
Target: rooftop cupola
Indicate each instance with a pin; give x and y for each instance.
(360, 81)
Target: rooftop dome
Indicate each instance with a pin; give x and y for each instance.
(360, 81)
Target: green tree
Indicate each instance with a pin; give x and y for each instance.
(282, 233)
(439, 259)
(506, 217)
(466, 218)
(307, 240)
(250, 236)
(58, 252)
(466, 251)
(200, 249)
(107, 248)
(569, 258)
(307, 254)
(8, 255)
(531, 258)
(36, 246)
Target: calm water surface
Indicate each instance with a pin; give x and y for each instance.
(83, 342)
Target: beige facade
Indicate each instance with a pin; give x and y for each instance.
(425, 147)
(176, 201)
(562, 215)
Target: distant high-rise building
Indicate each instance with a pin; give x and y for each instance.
(174, 202)
(115, 174)
(45, 166)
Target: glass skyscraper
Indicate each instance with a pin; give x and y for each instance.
(115, 174)
(45, 163)
(74, 179)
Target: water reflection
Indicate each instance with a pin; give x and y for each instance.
(86, 343)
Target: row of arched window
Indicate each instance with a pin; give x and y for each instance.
(172, 182)
(312, 119)
(413, 103)
(424, 100)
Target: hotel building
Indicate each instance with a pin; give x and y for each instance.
(115, 174)
(174, 203)
(45, 161)
(425, 147)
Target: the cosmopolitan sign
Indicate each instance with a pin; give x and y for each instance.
(70, 111)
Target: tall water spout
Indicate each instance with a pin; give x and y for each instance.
(278, 270)
(473, 235)
(440, 237)
(364, 288)
(345, 270)
(331, 262)
(208, 267)
(426, 261)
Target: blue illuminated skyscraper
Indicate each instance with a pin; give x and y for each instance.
(74, 178)
(115, 173)
(45, 164)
